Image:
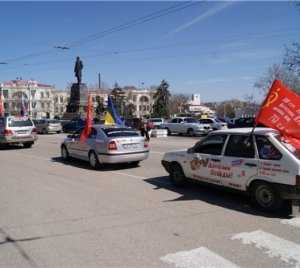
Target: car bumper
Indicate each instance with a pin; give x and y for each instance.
(122, 158)
(14, 139)
(54, 129)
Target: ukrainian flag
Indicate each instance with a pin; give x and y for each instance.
(112, 116)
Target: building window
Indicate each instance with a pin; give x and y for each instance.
(140, 107)
(42, 95)
(134, 98)
(56, 99)
(5, 94)
(6, 106)
(33, 93)
(61, 99)
(43, 105)
(61, 109)
(48, 94)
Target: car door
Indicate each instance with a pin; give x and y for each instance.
(73, 144)
(240, 162)
(205, 157)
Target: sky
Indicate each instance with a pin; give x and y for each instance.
(216, 49)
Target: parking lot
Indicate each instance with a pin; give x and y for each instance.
(64, 214)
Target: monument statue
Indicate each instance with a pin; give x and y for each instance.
(77, 101)
(78, 70)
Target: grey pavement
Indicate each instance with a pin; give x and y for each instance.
(56, 214)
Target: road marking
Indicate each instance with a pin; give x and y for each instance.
(197, 258)
(128, 175)
(287, 251)
(295, 222)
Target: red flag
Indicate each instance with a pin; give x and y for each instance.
(281, 111)
(88, 121)
(1, 107)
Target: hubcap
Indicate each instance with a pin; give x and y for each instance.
(265, 196)
(64, 152)
(93, 160)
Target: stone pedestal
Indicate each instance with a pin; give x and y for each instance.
(77, 102)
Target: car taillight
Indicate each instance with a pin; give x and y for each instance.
(146, 144)
(8, 132)
(112, 146)
(34, 130)
(297, 180)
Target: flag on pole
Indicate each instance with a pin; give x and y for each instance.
(112, 116)
(281, 111)
(88, 121)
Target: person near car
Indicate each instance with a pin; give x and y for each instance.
(144, 129)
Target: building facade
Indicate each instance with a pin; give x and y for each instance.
(37, 98)
(195, 107)
(141, 100)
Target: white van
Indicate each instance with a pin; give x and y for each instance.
(17, 130)
(259, 163)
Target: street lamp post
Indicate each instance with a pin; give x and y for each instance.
(29, 99)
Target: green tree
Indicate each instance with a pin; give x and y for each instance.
(119, 99)
(161, 100)
(100, 105)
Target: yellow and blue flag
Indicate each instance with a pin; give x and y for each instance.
(112, 116)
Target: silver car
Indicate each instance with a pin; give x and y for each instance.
(17, 130)
(106, 144)
(46, 126)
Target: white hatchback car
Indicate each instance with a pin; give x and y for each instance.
(260, 164)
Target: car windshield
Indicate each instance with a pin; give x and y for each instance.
(20, 122)
(155, 120)
(290, 147)
(120, 132)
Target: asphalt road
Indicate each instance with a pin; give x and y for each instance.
(56, 214)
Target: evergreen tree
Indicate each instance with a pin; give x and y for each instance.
(161, 100)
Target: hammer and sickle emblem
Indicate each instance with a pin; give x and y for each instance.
(272, 98)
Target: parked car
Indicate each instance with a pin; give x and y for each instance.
(260, 164)
(215, 123)
(243, 122)
(186, 125)
(106, 144)
(157, 122)
(73, 125)
(17, 130)
(46, 126)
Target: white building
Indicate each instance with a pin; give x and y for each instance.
(37, 97)
(195, 107)
(60, 102)
(142, 100)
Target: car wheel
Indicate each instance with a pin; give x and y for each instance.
(265, 196)
(27, 144)
(93, 160)
(134, 164)
(191, 132)
(64, 153)
(169, 132)
(177, 176)
(58, 132)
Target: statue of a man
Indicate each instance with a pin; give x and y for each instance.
(77, 70)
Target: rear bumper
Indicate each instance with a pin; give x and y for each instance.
(123, 158)
(54, 129)
(15, 140)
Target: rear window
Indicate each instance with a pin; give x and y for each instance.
(120, 132)
(155, 120)
(53, 121)
(20, 123)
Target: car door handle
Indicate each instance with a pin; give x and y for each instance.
(250, 165)
(215, 160)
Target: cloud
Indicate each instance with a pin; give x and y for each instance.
(203, 16)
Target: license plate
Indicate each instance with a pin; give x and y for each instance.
(131, 146)
(22, 132)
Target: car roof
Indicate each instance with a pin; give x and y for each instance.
(101, 126)
(248, 130)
